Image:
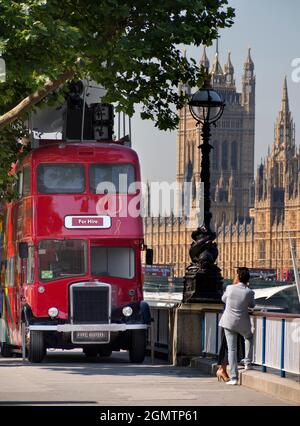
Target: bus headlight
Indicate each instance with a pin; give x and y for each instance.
(127, 311)
(53, 312)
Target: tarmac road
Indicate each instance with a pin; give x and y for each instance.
(69, 378)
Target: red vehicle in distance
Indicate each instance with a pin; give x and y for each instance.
(71, 254)
(287, 275)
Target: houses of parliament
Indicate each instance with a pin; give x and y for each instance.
(254, 213)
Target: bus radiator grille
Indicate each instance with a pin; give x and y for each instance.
(90, 305)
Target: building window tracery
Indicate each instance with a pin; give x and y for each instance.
(224, 155)
(234, 155)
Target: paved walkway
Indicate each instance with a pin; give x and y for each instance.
(67, 378)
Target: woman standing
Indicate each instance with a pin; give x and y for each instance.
(238, 299)
(223, 357)
(240, 350)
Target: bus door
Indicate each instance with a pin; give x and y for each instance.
(26, 276)
(26, 259)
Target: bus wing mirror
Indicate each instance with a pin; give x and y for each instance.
(23, 250)
(149, 257)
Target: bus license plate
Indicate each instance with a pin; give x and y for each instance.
(90, 336)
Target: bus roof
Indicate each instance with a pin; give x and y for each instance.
(83, 152)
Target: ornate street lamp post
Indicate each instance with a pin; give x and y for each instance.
(203, 280)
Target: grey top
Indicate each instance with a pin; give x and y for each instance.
(238, 298)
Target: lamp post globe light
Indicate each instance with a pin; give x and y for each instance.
(203, 279)
(2, 69)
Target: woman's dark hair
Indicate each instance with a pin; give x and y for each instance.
(244, 275)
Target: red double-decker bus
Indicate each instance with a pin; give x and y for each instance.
(71, 271)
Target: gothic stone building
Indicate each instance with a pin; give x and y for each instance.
(252, 220)
(262, 240)
(232, 165)
(232, 157)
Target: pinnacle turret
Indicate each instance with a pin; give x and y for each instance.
(228, 67)
(285, 99)
(204, 61)
(185, 87)
(216, 68)
(284, 127)
(217, 72)
(229, 70)
(248, 84)
(249, 64)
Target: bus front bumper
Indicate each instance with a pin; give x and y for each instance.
(67, 328)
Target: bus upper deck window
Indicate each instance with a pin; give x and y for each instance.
(61, 179)
(112, 178)
(26, 181)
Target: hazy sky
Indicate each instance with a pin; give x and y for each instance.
(272, 29)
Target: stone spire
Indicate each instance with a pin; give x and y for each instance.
(284, 127)
(217, 75)
(229, 70)
(216, 68)
(248, 84)
(249, 64)
(217, 72)
(228, 67)
(285, 99)
(204, 62)
(186, 87)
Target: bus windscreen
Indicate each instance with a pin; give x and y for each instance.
(62, 258)
(113, 261)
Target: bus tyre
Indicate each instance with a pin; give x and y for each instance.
(137, 350)
(37, 349)
(105, 352)
(90, 352)
(6, 350)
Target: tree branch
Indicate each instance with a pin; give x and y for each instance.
(33, 99)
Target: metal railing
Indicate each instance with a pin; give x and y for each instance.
(160, 335)
(211, 333)
(276, 340)
(276, 335)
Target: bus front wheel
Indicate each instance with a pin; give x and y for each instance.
(104, 352)
(90, 351)
(6, 350)
(137, 350)
(37, 348)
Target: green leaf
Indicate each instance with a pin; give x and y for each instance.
(128, 46)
